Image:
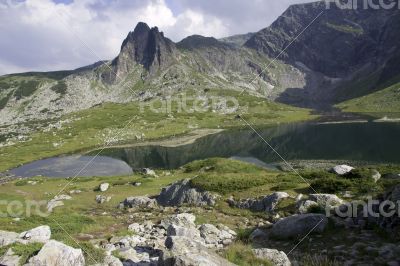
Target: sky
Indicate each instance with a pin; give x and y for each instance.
(47, 35)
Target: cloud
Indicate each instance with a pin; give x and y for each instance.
(42, 35)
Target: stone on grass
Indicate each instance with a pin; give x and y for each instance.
(326, 200)
(342, 169)
(101, 199)
(181, 192)
(40, 234)
(55, 253)
(104, 187)
(138, 202)
(276, 257)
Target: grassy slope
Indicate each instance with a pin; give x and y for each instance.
(110, 122)
(383, 101)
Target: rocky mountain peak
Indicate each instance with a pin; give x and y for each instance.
(145, 46)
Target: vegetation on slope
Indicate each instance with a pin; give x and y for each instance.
(386, 101)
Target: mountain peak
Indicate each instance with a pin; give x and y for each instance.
(145, 46)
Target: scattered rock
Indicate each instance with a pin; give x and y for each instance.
(375, 175)
(138, 202)
(149, 172)
(7, 238)
(326, 200)
(268, 203)
(299, 225)
(77, 191)
(54, 253)
(181, 192)
(101, 199)
(185, 251)
(54, 204)
(62, 197)
(104, 187)
(342, 169)
(278, 258)
(304, 206)
(40, 234)
(137, 184)
(10, 259)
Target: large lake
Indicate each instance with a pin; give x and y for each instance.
(372, 142)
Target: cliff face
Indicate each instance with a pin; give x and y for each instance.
(147, 47)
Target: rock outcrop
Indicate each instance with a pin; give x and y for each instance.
(267, 203)
(299, 225)
(138, 202)
(182, 192)
(55, 253)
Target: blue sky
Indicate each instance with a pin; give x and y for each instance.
(43, 35)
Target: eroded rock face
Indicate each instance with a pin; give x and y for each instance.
(278, 258)
(55, 253)
(299, 225)
(138, 202)
(181, 192)
(268, 203)
(185, 251)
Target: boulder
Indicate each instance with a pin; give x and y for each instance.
(304, 206)
(181, 192)
(342, 169)
(181, 219)
(54, 204)
(55, 253)
(40, 234)
(326, 200)
(62, 197)
(101, 199)
(276, 257)
(375, 175)
(258, 234)
(7, 238)
(190, 232)
(10, 259)
(104, 187)
(184, 251)
(138, 202)
(268, 203)
(149, 172)
(299, 225)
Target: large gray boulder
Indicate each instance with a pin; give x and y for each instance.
(138, 202)
(55, 253)
(7, 238)
(276, 257)
(40, 234)
(299, 225)
(267, 203)
(183, 251)
(181, 192)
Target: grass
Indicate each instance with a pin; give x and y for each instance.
(346, 29)
(377, 104)
(242, 255)
(26, 251)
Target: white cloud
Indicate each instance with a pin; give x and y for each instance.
(39, 35)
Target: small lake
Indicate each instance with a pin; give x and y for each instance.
(372, 142)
